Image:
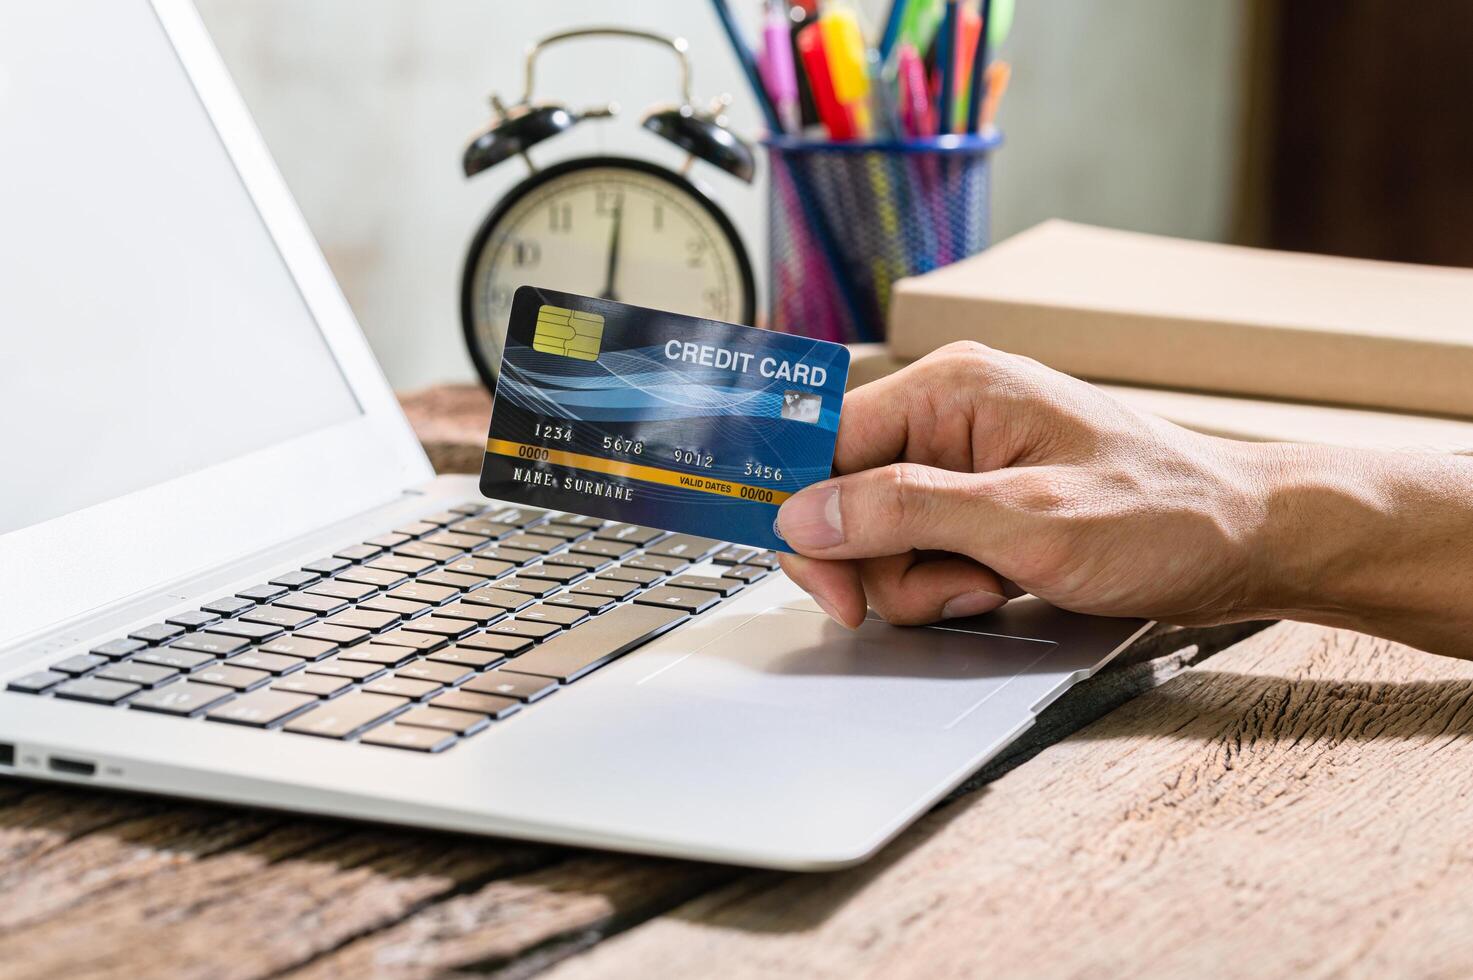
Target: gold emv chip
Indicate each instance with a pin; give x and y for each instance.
(571, 333)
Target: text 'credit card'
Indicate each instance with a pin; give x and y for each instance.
(655, 418)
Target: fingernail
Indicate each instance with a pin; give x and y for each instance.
(971, 604)
(810, 519)
(832, 612)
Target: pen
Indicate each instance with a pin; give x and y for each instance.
(777, 67)
(998, 74)
(946, 67)
(892, 29)
(835, 117)
(748, 63)
(843, 43)
(979, 70)
(915, 99)
(968, 47)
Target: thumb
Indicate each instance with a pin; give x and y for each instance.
(889, 510)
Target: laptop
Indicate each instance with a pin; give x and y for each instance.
(228, 573)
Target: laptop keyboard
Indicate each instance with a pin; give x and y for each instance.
(416, 638)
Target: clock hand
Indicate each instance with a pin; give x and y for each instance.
(613, 268)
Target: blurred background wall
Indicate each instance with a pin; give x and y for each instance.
(1126, 113)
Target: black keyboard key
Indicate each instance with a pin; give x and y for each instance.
(119, 648)
(183, 698)
(377, 577)
(352, 591)
(606, 587)
(706, 583)
(326, 566)
(176, 658)
(404, 637)
(377, 653)
(639, 576)
(36, 682)
(561, 615)
(210, 644)
(484, 528)
(156, 633)
(78, 664)
(401, 563)
(435, 595)
(444, 719)
(193, 619)
(443, 517)
(261, 708)
(441, 625)
(657, 563)
(470, 507)
(441, 672)
(275, 615)
(458, 540)
(510, 684)
(568, 657)
(745, 573)
(533, 542)
(500, 599)
(418, 529)
(228, 606)
(412, 688)
(736, 554)
(389, 540)
(517, 516)
(469, 658)
(537, 588)
(400, 607)
(490, 705)
(343, 636)
(95, 690)
(353, 670)
(481, 615)
(300, 647)
(689, 600)
(271, 663)
(235, 678)
(482, 567)
(358, 552)
(525, 629)
(343, 716)
(246, 631)
(454, 580)
(563, 532)
(492, 643)
(766, 560)
(589, 603)
(317, 685)
(263, 593)
(434, 552)
(372, 620)
(589, 563)
(299, 579)
(322, 605)
(133, 672)
(396, 736)
(515, 556)
(608, 549)
(561, 574)
(631, 533)
(578, 520)
(686, 546)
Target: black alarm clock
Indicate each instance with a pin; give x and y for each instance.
(614, 227)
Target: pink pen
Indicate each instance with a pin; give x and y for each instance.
(917, 114)
(776, 65)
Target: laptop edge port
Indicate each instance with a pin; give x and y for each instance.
(72, 767)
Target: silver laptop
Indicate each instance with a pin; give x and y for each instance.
(227, 572)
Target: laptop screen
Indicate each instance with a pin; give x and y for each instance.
(149, 327)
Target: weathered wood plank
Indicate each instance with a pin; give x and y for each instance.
(528, 920)
(1299, 803)
(277, 901)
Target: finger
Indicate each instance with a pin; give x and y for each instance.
(893, 510)
(834, 585)
(906, 590)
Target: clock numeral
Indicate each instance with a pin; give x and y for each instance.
(560, 217)
(695, 252)
(525, 254)
(715, 299)
(659, 217)
(607, 203)
(499, 298)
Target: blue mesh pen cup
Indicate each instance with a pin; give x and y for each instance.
(845, 220)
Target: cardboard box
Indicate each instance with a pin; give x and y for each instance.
(1150, 311)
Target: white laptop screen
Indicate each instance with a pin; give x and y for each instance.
(148, 325)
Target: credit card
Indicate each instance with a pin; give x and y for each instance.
(654, 418)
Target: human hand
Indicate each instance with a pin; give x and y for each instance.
(973, 474)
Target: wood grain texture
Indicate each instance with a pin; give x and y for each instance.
(1300, 803)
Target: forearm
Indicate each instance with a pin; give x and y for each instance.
(1378, 542)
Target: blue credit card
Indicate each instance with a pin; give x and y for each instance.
(659, 419)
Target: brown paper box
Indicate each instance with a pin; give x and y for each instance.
(1146, 310)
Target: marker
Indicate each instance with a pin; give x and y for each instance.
(749, 65)
(843, 43)
(835, 117)
(777, 68)
(946, 67)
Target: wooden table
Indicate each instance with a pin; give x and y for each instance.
(1231, 802)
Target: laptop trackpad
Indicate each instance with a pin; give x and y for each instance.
(803, 661)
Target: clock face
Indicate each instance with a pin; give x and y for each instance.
(618, 229)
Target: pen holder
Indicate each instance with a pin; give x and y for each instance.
(845, 220)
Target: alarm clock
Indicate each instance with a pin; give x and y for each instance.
(615, 227)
